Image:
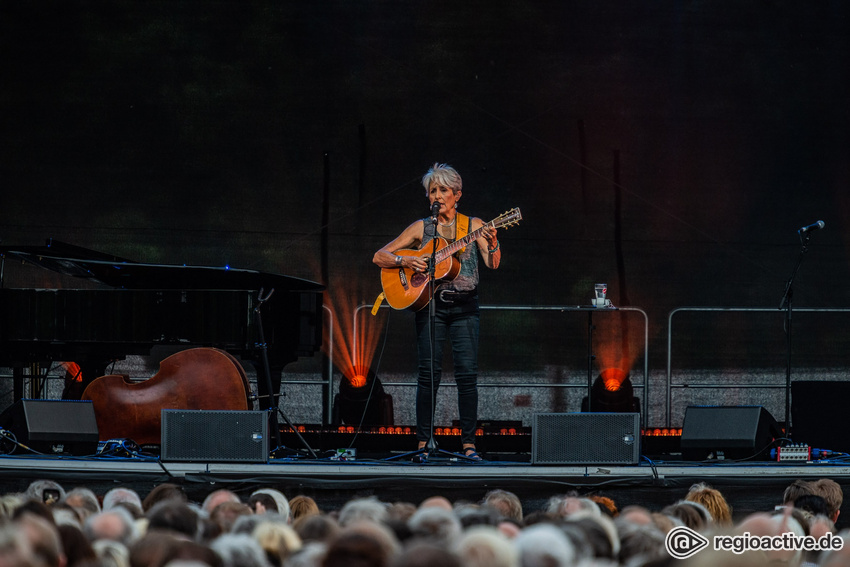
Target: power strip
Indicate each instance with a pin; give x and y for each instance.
(794, 453)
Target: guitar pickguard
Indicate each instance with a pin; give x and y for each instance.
(419, 279)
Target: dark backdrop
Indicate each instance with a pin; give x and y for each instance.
(671, 149)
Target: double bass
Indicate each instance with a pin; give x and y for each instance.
(193, 379)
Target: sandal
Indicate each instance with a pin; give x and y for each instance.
(471, 454)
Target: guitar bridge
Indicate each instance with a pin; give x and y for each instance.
(402, 278)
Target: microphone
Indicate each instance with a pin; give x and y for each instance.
(435, 210)
(814, 226)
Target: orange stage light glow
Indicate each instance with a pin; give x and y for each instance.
(352, 356)
(72, 371)
(613, 378)
(617, 343)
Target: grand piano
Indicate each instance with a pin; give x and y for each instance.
(126, 308)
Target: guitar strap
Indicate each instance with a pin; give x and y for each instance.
(462, 228)
(377, 305)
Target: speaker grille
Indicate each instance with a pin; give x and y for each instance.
(215, 436)
(586, 438)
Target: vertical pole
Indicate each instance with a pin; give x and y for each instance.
(618, 247)
(327, 372)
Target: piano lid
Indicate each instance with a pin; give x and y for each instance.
(118, 272)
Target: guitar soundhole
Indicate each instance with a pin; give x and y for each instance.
(418, 280)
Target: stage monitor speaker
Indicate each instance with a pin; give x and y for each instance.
(52, 426)
(585, 439)
(215, 436)
(817, 408)
(727, 432)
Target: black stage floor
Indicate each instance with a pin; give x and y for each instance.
(749, 487)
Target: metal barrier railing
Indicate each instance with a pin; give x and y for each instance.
(590, 311)
(765, 385)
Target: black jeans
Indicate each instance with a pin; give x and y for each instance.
(460, 324)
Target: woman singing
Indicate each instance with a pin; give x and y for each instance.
(456, 302)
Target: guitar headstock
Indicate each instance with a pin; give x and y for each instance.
(508, 218)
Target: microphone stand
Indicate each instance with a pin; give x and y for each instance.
(431, 448)
(785, 304)
(273, 412)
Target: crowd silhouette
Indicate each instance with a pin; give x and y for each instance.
(47, 526)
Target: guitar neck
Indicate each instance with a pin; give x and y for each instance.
(458, 244)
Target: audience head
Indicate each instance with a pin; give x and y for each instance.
(773, 525)
(217, 497)
(691, 514)
(77, 548)
(84, 500)
(239, 550)
(575, 505)
(506, 503)
(600, 532)
(262, 503)
(639, 542)
(302, 506)
(435, 524)
(225, 514)
(809, 505)
(163, 492)
(423, 554)
(281, 504)
(111, 553)
(544, 545)
(484, 546)
(355, 549)
(713, 501)
(362, 509)
(125, 497)
(318, 527)
(43, 538)
(175, 516)
(606, 505)
(46, 491)
(795, 490)
(831, 492)
(278, 540)
(436, 502)
(114, 524)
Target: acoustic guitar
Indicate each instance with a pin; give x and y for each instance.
(405, 288)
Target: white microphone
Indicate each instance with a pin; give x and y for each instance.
(814, 226)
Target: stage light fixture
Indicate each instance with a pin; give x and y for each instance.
(362, 399)
(612, 391)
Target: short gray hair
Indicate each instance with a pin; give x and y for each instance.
(444, 174)
(363, 509)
